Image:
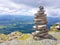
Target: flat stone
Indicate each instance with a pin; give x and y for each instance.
(40, 15)
(43, 34)
(37, 38)
(39, 27)
(38, 20)
(41, 22)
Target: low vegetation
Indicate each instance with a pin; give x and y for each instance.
(53, 29)
(27, 39)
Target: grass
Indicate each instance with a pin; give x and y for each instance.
(24, 37)
(16, 33)
(1, 27)
(4, 37)
(53, 29)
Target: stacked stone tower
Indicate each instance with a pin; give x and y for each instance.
(40, 27)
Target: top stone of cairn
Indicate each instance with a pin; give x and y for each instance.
(41, 7)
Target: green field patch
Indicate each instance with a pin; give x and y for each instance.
(24, 37)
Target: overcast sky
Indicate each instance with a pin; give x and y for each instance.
(29, 7)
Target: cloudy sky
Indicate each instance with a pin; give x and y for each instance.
(29, 7)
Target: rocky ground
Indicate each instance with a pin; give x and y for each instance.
(27, 39)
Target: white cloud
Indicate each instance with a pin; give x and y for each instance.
(53, 12)
(24, 8)
(15, 9)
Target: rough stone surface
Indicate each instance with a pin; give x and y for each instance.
(31, 41)
(40, 25)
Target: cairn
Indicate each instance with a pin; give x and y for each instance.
(41, 31)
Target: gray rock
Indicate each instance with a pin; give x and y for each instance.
(40, 25)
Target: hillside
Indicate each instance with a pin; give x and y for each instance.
(11, 23)
(27, 39)
(53, 28)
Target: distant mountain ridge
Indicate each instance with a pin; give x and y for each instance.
(10, 23)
